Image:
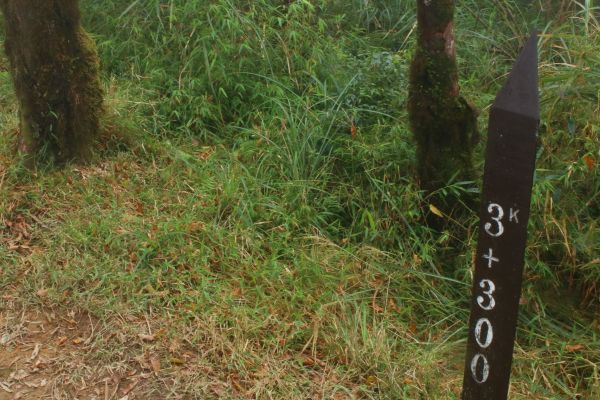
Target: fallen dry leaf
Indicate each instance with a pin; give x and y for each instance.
(371, 380)
(147, 338)
(18, 375)
(376, 307)
(237, 292)
(218, 389)
(35, 385)
(35, 351)
(412, 327)
(19, 395)
(436, 211)
(590, 162)
(5, 387)
(131, 386)
(572, 348)
(78, 341)
(155, 362)
(308, 361)
(176, 361)
(174, 347)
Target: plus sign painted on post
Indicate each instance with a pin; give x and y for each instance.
(490, 257)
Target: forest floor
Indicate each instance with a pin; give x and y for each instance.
(251, 225)
(50, 356)
(47, 355)
(100, 301)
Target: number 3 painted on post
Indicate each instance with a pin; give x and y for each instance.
(498, 218)
(491, 288)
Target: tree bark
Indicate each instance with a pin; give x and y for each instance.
(444, 124)
(55, 71)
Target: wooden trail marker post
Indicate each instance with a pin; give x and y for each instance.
(506, 196)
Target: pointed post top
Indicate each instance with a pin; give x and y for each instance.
(520, 92)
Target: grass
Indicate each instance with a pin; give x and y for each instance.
(253, 206)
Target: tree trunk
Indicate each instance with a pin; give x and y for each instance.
(55, 67)
(443, 123)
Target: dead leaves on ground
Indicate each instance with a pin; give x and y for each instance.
(39, 354)
(16, 234)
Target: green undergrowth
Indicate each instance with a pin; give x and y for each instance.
(255, 188)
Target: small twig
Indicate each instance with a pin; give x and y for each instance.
(89, 339)
(2, 180)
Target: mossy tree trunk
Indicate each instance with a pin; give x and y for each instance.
(443, 123)
(55, 68)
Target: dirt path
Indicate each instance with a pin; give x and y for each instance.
(49, 356)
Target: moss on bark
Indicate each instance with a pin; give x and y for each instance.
(55, 71)
(444, 124)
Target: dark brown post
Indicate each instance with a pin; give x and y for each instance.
(508, 179)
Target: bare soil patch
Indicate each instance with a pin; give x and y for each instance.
(48, 356)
